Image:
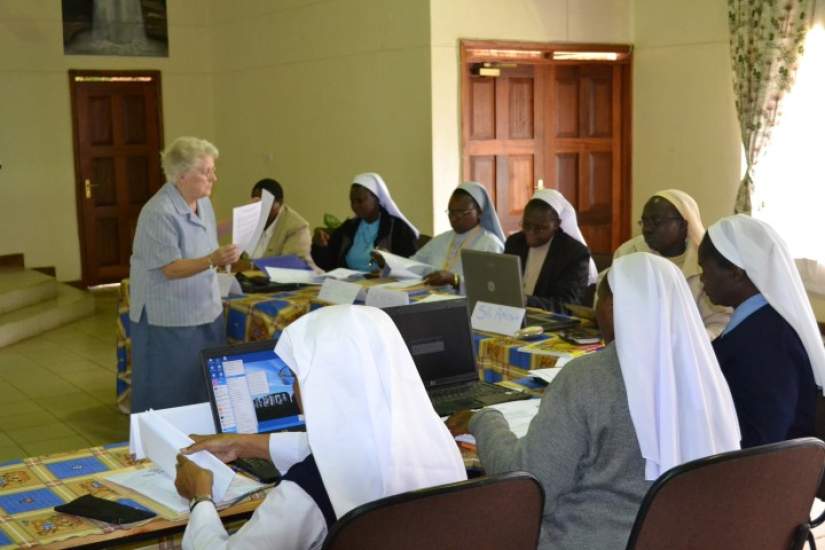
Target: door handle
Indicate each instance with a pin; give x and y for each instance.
(87, 186)
(539, 184)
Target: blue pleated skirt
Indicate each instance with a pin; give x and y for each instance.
(166, 364)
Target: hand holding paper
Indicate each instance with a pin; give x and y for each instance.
(162, 442)
(404, 268)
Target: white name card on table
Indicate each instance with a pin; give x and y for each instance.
(338, 292)
(382, 297)
(162, 442)
(497, 318)
(286, 275)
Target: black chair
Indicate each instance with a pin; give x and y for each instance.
(486, 513)
(759, 499)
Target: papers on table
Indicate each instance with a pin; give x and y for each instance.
(404, 268)
(518, 415)
(285, 275)
(438, 297)
(249, 220)
(384, 297)
(338, 292)
(228, 284)
(155, 484)
(342, 273)
(548, 375)
(161, 441)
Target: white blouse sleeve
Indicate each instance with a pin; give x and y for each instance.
(288, 448)
(287, 519)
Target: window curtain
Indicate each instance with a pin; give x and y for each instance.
(766, 38)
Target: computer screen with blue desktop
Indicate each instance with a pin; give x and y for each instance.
(251, 389)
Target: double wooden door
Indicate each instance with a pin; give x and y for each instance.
(557, 125)
(117, 139)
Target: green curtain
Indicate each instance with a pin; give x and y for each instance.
(766, 38)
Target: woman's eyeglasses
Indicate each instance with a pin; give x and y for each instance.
(655, 222)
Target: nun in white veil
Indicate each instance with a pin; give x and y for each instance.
(771, 351)
(672, 227)
(555, 261)
(371, 432)
(475, 226)
(613, 421)
(378, 223)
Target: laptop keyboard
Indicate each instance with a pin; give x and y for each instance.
(470, 396)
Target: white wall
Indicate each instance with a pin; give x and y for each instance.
(685, 132)
(312, 93)
(38, 216)
(602, 21)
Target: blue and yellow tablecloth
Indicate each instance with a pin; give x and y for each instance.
(263, 316)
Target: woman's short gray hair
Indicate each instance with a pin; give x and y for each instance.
(182, 155)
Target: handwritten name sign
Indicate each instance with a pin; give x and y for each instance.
(497, 318)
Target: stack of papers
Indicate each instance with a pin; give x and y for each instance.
(161, 442)
(286, 275)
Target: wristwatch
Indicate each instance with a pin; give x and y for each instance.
(195, 500)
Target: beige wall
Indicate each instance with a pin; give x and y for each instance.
(604, 21)
(685, 133)
(38, 215)
(312, 93)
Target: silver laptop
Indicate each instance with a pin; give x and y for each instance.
(496, 279)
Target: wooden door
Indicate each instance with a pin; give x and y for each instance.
(584, 147)
(117, 140)
(502, 129)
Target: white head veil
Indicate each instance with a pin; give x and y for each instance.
(489, 218)
(689, 210)
(375, 183)
(679, 401)
(371, 427)
(569, 222)
(756, 247)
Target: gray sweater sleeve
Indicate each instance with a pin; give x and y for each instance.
(553, 447)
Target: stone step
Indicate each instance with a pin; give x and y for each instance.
(70, 304)
(20, 288)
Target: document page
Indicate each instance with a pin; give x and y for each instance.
(404, 268)
(162, 442)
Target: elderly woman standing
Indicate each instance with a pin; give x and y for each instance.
(175, 302)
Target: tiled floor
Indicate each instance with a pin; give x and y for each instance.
(57, 390)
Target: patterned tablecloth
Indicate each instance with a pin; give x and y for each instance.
(31, 487)
(263, 316)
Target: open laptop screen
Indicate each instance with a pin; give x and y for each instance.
(251, 389)
(439, 339)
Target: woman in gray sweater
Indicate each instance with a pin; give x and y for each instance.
(594, 444)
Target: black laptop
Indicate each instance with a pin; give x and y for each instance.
(440, 341)
(250, 390)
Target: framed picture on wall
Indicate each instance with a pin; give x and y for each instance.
(115, 27)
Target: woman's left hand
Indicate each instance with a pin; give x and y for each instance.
(459, 422)
(440, 278)
(192, 480)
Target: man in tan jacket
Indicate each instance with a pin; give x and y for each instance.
(286, 232)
